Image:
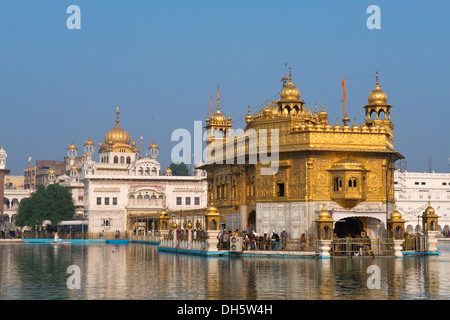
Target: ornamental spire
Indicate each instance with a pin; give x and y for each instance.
(117, 115)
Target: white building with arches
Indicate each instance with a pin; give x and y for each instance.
(122, 184)
(414, 190)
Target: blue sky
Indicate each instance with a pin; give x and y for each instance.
(159, 62)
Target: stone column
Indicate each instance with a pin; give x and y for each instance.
(398, 248)
(211, 240)
(324, 248)
(432, 240)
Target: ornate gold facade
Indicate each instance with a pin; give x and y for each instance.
(318, 162)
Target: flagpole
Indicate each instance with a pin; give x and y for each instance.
(141, 147)
(345, 119)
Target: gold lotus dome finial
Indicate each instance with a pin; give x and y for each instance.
(267, 112)
(323, 114)
(324, 213)
(153, 145)
(355, 127)
(89, 142)
(395, 214)
(248, 117)
(377, 96)
(72, 146)
(290, 91)
(429, 210)
(337, 127)
(117, 134)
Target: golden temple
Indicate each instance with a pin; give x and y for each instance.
(347, 167)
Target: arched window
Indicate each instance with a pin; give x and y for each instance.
(116, 159)
(432, 226)
(352, 183)
(128, 160)
(122, 159)
(337, 184)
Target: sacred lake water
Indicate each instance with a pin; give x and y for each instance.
(138, 271)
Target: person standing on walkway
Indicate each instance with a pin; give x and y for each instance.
(275, 240)
(284, 236)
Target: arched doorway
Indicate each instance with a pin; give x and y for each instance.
(251, 221)
(348, 226)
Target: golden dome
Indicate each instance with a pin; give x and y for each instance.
(337, 127)
(218, 116)
(153, 145)
(290, 91)
(51, 171)
(395, 214)
(168, 170)
(163, 212)
(324, 213)
(89, 142)
(346, 128)
(117, 134)
(328, 127)
(377, 96)
(364, 128)
(429, 210)
(248, 117)
(72, 146)
(212, 211)
(319, 126)
(322, 114)
(355, 127)
(73, 167)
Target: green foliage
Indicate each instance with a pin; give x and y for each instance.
(179, 169)
(53, 203)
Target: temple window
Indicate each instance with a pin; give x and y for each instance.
(337, 184)
(280, 190)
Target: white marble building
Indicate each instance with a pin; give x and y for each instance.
(413, 191)
(122, 184)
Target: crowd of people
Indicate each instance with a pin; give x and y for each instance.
(10, 234)
(255, 241)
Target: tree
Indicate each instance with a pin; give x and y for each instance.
(53, 203)
(179, 169)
